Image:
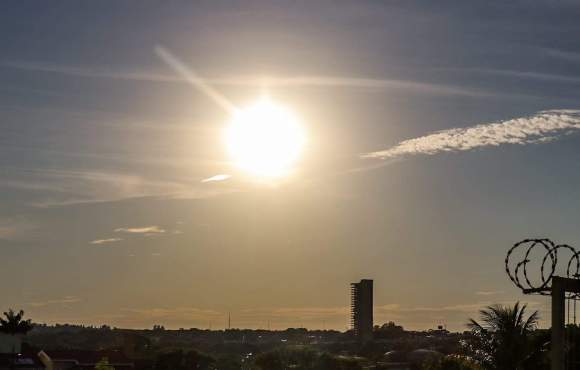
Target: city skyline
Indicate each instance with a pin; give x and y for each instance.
(415, 143)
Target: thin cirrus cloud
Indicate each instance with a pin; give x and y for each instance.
(61, 187)
(61, 301)
(217, 178)
(16, 229)
(542, 127)
(106, 241)
(571, 56)
(488, 292)
(530, 75)
(523, 74)
(275, 81)
(141, 230)
(145, 231)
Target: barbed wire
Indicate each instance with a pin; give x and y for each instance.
(518, 270)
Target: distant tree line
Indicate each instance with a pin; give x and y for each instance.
(503, 338)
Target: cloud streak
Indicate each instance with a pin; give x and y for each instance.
(16, 229)
(61, 187)
(530, 75)
(206, 84)
(562, 54)
(542, 127)
(141, 230)
(489, 292)
(106, 241)
(216, 178)
(62, 301)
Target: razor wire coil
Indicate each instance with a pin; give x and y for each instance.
(519, 273)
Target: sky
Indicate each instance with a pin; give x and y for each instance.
(438, 134)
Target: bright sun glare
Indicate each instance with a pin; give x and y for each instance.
(265, 139)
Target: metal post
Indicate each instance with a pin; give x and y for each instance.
(558, 328)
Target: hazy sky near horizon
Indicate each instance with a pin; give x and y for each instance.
(438, 134)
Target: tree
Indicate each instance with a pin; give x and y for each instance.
(389, 330)
(503, 339)
(228, 362)
(303, 359)
(103, 364)
(452, 362)
(13, 324)
(169, 360)
(270, 361)
(197, 360)
(180, 360)
(326, 361)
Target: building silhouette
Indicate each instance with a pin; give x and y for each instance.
(361, 309)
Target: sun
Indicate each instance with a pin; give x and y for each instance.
(264, 139)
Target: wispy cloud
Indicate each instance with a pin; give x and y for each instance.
(541, 127)
(566, 55)
(141, 230)
(376, 84)
(259, 81)
(216, 178)
(17, 228)
(489, 292)
(529, 74)
(106, 241)
(70, 186)
(302, 313)
(62, 301)
(144, 231)
(89, 72)
(172, 317)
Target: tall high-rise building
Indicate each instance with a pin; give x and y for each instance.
(361, 309)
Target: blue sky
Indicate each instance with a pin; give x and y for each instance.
(105, 217)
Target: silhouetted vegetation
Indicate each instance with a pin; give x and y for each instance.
(503, 339)
(451, 362)
(304, 359)
(104, 365)
(181, 360)
(184, 349)
(14, 324)
(389, 330)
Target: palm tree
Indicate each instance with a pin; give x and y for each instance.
(503, 339)
(13, 324)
